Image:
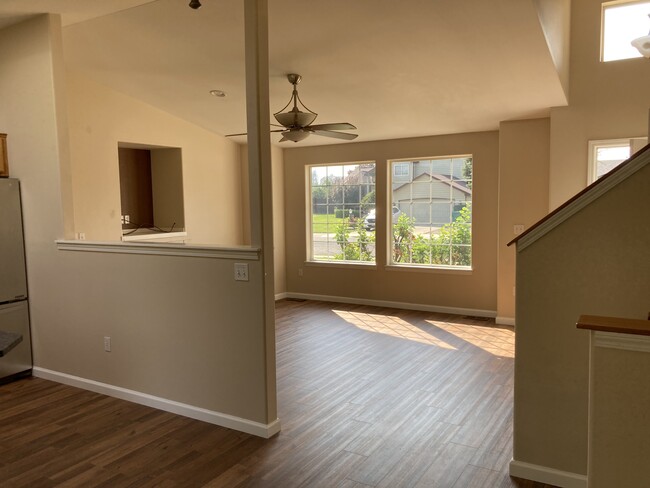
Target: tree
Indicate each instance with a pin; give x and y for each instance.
(361, 249)
(367, 203)
(452, 246)
(403, 237)
(467, 171)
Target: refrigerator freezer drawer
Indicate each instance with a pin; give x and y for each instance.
(14, 318)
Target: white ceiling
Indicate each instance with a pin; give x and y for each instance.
(393, 69)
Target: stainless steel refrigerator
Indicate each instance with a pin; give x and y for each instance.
(15, 340)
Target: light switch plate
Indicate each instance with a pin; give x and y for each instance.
(518, 229)
(241, 271)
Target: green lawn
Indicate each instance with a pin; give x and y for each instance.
(324, 223)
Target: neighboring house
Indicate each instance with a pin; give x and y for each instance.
(421, 198)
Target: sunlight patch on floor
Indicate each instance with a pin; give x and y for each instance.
(493, 339)
(392, 326)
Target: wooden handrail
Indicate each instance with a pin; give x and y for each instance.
(614, 324)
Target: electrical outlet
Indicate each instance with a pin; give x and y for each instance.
(81, 236)
(241, 271)
(518, 229)
(300, 272)
(107, 344)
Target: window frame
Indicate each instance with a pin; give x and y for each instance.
(610, 5)
(634, 143)
(448, 268)
(311, 259)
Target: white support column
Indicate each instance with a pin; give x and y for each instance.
(259, 174)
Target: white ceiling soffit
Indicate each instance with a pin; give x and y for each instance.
(71, 11)
(393, 69)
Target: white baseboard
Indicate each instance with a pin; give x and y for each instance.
(505, 321)
(403, 305)
(280, 296)
(210, 416)
(543, 474)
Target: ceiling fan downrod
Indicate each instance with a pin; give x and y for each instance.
(295, 118)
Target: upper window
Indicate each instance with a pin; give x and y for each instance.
(432, 213)
(622, 23)
(401, 169)
(605, 155)
(342, 204)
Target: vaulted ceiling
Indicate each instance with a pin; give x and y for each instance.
(393, 69)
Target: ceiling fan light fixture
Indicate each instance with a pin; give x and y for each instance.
(642, 44)
(295, 118)
(295, 135)
(297, 124)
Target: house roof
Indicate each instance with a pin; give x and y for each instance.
(374, 64)
(601, 185)
(459, 185)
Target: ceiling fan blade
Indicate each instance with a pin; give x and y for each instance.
(335, 126)
(246, 133)
(337, 135)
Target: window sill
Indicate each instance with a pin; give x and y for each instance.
(341, 264)
(426, 269)
(154, 236)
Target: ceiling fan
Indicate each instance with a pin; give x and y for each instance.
(297, 124)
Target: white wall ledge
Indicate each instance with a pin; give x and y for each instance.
(162, 249)
(152, 236)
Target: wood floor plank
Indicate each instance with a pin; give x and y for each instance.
(368, 397)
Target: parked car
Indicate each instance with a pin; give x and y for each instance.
(370, 219)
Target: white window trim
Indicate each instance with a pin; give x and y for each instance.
(309, 234)
(427, 268)
(635, 144)
(401, 164)
(603, 8)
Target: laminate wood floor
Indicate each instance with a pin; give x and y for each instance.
(368, 397)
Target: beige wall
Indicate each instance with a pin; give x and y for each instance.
(607, 101)
(618, 416)
(181, 328)
(555, 18)
(167, 188)
(100, 118)
(595, 263)
(475, 290)
(523, 196)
